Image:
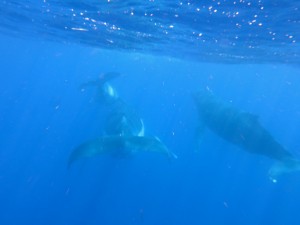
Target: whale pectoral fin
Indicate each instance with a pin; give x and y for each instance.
(142, 130)
(279, 168)
(165, 150)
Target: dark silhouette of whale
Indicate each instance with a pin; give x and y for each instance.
(124, 129)
(244, 130)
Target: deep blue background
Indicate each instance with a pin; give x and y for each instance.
(44, 115)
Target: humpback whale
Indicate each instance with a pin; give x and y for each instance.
(121, 120)
(124, 129)
(243, 130)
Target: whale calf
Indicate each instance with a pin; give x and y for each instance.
(243, 130)
(122, 119)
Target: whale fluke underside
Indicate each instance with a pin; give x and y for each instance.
(118, 146)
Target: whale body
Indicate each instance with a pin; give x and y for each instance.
(122, 119)
(243, 130)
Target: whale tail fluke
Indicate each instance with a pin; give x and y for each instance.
(282, 167)
(105, 92)
(119, 147)
(101, 80)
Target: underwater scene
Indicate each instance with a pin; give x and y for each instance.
(153, 112)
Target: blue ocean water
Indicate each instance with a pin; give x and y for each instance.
(246, 52)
